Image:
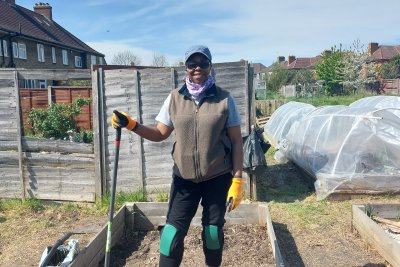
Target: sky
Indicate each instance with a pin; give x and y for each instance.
(254, 30)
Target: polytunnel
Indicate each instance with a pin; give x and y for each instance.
(282, 119)
(381, 101)
(347, 149)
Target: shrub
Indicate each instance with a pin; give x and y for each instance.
(57, 120)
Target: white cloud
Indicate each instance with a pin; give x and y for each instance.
(254, 30)
(111, 48)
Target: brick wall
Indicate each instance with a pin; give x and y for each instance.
(32, 58)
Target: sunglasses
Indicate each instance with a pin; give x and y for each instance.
(203, 64)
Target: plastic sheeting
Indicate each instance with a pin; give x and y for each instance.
(282, 119)
(347, 149)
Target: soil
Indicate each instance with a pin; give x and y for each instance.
(324, 237)
(24, 236)
(245, 245)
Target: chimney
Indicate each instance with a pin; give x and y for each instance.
(372, 47)
(291, 59)
(11, 2)
(43, 9)
(281, 59)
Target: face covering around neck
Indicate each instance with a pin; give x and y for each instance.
(197, 89)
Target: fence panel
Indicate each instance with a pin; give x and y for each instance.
(32, 99)
(267, 107)
(38, 98)
(10, 180)
(390, 86)
(141, 93)
(67, 95)
(40, 168)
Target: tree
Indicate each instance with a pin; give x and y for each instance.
(159, 60)
(330, 71)
(279, 77)
(357, 72)
(303, 76)
(391, 69)
(178, 63)
(126, 58)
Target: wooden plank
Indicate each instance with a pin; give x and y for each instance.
(265, 219)
(102, 128)
(97, 136)
(54, 74)
(61, 172)
(372, 233)
(94, 251)
(62, 196)
(139, 138)
(47, 145)
(59, 160)
(386, 221)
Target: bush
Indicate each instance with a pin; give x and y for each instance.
(57, 120)
(85, 136)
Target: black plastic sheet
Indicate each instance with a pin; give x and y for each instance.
(254, 149)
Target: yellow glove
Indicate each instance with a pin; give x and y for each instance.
(235, 194)
(121, 119)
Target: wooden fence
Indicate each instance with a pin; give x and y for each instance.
(40, 168)
(390, 86)
(265, 108)
(40, 98)
(141, 93)
(61, 170)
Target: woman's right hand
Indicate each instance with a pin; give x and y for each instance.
(121, 119)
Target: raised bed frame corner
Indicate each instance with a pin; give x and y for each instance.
(373, 233)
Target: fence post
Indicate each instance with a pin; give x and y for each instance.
(19, 136)
(139, 139)
(49, 98)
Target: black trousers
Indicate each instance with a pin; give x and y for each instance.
(185, 197)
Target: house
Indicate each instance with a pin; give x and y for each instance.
(302, 62)
(382, 53)
(294, 63)
(33, 40)
(259, 73)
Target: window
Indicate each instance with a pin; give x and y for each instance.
(78, 62)
(22, 50)
(40, 52)
(93, 59)
(65, 57)
(42, 84)
(19, 50)
(5, 49)
(15, 49)
(53, 55)
(101, 60)
(29, 83)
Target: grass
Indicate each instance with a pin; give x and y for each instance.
(121, 197)
(162, 196)
(19, 206)
(101, 206)
(318, 101)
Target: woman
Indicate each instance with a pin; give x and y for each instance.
(207, 154)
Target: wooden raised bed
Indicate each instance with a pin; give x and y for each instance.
(149, 215)
(373, 233)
